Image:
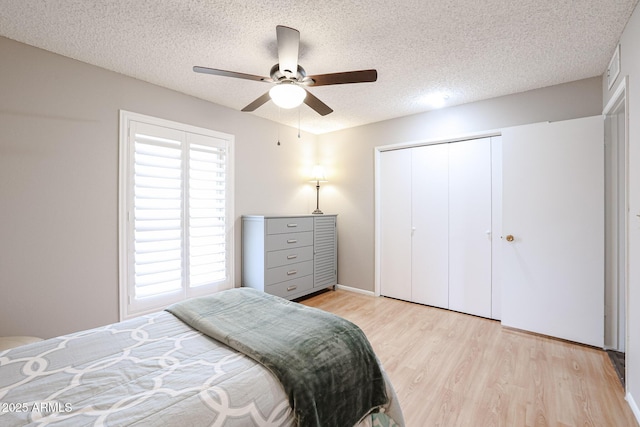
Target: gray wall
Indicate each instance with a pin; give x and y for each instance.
(630, 67)
(349, 154)
(59, 180)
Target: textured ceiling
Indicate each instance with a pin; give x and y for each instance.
(468, 49)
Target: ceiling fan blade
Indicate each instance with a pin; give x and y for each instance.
(224, 73)
(319, 106)
(257, 103)
(288, 46)
(361, 76)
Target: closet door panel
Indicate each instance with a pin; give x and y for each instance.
(395, 224)
(470, 227)
(430, 219)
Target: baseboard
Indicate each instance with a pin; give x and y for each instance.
(356, 290)
(633, 406)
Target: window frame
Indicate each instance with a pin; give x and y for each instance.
(128, 307)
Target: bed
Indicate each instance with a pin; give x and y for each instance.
(236, 358)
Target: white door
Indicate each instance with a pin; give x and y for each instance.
(470, 226)
(430, 230)
(496, 227)
(395, 224)
(553, 193)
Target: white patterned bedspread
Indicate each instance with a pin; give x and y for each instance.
(148, 371)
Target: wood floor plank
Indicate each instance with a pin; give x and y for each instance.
(453, 369)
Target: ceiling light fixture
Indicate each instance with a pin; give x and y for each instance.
(436, 99)
(287, 94)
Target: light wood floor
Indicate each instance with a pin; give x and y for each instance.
(451, 369)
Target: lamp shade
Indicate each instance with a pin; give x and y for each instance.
(287, 95)
(318, 174)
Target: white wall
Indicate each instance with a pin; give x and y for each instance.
(59, 180)
(349, 156)
(630, 66)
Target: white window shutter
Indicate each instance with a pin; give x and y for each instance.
(158, 214)
(207, 213)
(176, 214)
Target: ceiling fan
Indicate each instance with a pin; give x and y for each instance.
(290, 79)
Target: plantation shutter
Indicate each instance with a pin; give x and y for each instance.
(207, 213)
(178, 216)
(158, 211)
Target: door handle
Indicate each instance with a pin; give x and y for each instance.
(510, 238)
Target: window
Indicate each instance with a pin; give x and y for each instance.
(176, 213)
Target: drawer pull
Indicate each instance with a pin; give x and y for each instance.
(292, 241)
(292, 225)
(292, 288)
(291, 272)
(292, 256)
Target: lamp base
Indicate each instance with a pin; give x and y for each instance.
(317, 212)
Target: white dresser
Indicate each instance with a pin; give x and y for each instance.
(289, 256)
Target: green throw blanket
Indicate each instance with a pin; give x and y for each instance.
(324, 362)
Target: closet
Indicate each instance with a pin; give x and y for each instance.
(436, 225)
(508, 227)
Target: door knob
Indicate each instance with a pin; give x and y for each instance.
(510, 238)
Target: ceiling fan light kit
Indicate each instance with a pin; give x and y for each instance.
(287, 95)
(290, 78)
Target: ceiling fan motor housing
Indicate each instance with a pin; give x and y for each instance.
(278, 76)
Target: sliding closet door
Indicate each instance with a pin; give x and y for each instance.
(470, 226)
(395, 224)
(430, 219)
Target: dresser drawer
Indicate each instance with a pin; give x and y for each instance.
(289, 225)
(289, 256)
(289, 272)
(276, 242)
(291, 287)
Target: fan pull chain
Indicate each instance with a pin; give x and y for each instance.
(298, 122)
(278, 125)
